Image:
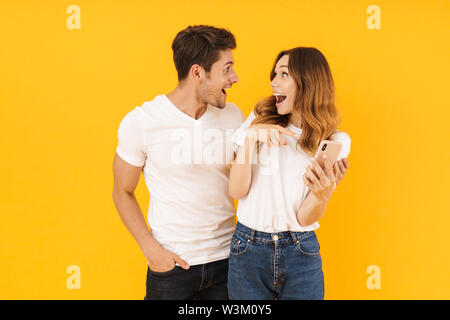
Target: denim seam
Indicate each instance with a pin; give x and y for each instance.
(202, 283)
(275, 265)
(303, 252)
(163, 273)
(307, 253)
(258, 239)
(243, 251)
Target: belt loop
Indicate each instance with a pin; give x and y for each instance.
(252, 236)
(294, 237)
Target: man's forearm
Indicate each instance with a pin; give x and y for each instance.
(311, 210)
(134, 220)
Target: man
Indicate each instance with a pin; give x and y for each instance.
(180, 142)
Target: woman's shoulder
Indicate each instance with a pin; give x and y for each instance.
(340, 136)
(344, 138)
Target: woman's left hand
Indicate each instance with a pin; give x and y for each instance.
(339, 168)
(321, 182)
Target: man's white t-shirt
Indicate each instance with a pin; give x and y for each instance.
(186, 165)
(277, 189)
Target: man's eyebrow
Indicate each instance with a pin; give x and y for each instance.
(229, 62)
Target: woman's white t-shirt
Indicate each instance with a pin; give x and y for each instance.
(277, 188)
(186, 165)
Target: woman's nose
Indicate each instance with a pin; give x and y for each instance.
(274, 85)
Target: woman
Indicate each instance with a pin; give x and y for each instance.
(283, 192)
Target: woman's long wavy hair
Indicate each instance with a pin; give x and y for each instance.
(314, 100)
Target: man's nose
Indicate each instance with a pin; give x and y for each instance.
(234, 78)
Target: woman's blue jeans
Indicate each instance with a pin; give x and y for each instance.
(267, 266)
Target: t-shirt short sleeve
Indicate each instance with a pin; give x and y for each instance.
(131, 136)
(344, 138)
(238, 137)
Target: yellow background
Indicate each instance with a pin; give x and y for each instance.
(64, 92)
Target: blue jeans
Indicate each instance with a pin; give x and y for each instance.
(282, 265)
(200, 282)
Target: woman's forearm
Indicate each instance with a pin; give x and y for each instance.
(311, 210)
(241, 170)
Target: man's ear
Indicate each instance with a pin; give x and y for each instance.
(196, 71)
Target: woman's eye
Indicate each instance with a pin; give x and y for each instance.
(284, 73)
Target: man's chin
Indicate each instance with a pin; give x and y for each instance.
(219, 104)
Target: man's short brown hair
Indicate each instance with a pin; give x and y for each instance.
(199, 45)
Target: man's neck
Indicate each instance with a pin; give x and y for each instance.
(185, 99)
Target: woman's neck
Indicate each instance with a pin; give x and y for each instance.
(295, 120)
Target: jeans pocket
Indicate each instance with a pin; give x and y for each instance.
(163, 273)
(308, 244)
(239, 245)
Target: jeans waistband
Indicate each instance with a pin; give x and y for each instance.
(259, 236)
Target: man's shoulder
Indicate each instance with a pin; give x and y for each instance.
(139, 114)
(232, 107)
(151, 105)
(147, 110)
(232, 110)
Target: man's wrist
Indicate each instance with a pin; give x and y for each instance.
(151, 247)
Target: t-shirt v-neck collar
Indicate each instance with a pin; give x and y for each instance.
(204, 116)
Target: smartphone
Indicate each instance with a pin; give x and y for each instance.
(331, 149)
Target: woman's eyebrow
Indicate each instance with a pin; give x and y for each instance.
(285, 66)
